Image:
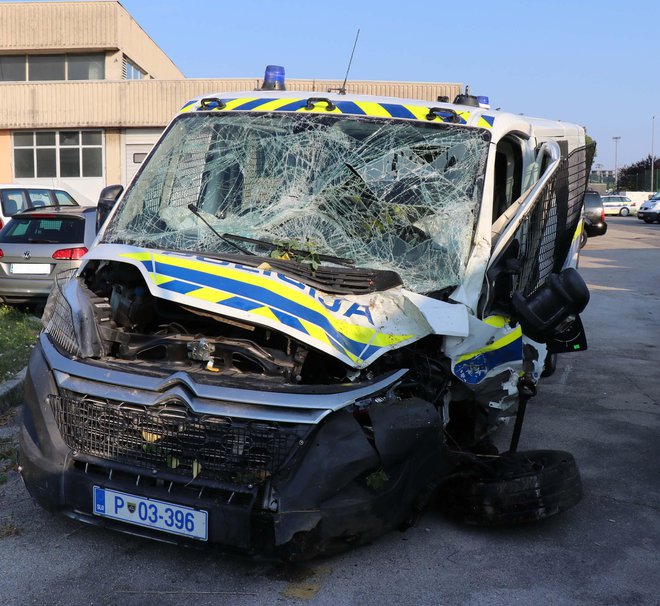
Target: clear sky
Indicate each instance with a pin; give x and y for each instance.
(594, 62)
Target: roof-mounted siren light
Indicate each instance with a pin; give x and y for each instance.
(465, 99)
(484, 102)
(273, 78)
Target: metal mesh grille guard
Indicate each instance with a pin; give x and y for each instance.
(545, 235)
(171, 438)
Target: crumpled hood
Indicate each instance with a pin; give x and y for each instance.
(356, 329)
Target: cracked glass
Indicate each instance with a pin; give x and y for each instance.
(396, 195)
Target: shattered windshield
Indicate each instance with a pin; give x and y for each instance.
(395, 195)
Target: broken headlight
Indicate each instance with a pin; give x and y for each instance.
(69, 320)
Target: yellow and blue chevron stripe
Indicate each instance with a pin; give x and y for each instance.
(473, 367)
(356, 108)
(267, 300)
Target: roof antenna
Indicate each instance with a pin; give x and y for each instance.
(342, 89)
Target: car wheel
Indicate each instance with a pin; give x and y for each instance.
(649, 221)
(513, 489)
(624, 212)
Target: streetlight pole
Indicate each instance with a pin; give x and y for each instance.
(652, 156)
(616, 163)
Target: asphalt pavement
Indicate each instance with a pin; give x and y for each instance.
(603, 405)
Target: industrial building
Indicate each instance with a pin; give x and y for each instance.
(85, 93)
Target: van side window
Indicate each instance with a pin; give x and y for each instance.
(508, 175)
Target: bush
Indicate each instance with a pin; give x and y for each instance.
(18, 333)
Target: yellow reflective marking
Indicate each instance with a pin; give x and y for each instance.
(235, 103)
(314, 331)
(373, 109)
(464, 115)
(190, 108)
(266, 312)
(578, 230)
(138, 256)
(209, 294)
(514, 335)
(483, 123)
(361, 334)
(157, 279)
(418, 111)
(496, 321)
(274, 104)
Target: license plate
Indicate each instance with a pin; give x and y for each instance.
(30, 268)
(151, 513)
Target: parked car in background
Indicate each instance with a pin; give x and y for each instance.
(619, 205)
(15, 199)
(37, 244)
(594, 217)
(649, 211)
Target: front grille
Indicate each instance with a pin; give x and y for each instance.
(169, 437)
(109, 472)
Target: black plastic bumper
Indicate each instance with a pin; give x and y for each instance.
(342, 488)
(649, 215)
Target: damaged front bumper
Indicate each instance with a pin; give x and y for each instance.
(293, 474)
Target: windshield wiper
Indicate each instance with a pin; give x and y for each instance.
(302, 253)
(195, 211)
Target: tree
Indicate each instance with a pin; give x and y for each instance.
(637, 176)
(588, 141)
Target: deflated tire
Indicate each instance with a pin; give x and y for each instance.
(513, 489)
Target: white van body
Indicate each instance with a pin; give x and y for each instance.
(350, 278)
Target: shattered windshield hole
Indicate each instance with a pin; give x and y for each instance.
(396, 195)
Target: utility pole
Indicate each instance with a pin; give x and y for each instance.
(652, 156)
(616, 163)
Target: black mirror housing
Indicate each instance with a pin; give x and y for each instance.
(107, 200)
(563, 295)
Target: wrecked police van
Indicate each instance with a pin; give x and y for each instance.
(304, 320)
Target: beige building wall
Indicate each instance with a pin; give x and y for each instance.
(113, 156)
(5, 157)
(82, 27)
(153, 103)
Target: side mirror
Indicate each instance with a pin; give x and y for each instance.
(593, 230)
(107, 200)
(563, 295)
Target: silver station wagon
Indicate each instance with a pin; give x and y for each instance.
(37, 244)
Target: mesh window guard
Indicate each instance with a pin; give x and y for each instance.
(546, 233)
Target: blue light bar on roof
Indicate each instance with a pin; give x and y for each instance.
(273, 78)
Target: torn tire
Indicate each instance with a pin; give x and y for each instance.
(514, 489)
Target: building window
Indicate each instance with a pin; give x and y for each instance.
(66, 153)
(132, 71)
(19, 68)
(86, 67)
(46, 67)
(12, 68)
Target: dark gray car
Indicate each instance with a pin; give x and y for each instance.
(38, 244)
(594, 217)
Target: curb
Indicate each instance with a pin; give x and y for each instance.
(11, 392)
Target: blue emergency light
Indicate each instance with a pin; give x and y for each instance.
(273, 78)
